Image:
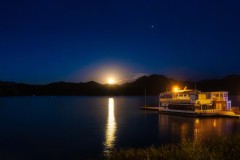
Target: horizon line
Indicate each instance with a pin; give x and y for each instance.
(125, 81)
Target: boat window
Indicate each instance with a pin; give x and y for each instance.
(208, 96)
(165, 96)
(221, 95)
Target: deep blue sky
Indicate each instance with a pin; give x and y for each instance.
(81, 40)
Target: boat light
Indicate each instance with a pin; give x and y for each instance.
(175, 89)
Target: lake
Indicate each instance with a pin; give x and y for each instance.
(90, 127)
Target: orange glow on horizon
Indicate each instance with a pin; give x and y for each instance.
(102, 72)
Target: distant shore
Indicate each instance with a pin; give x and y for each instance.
(153, 85)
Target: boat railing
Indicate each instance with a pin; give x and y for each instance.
(178, 102)
(207, 110)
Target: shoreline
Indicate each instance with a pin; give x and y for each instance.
(221, 148)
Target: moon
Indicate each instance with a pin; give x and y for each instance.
(111, 81)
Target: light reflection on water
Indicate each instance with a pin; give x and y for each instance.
(88, 127)
(196, 129)
(212, 127)
(111, 127)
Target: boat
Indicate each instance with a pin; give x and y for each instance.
(192, 102)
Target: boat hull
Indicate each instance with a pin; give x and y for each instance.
(188, 113)
(198, 114)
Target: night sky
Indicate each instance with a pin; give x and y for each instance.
(80, 40)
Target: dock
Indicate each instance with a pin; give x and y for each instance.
(151, 108)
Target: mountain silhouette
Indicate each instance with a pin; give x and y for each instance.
(153, 85)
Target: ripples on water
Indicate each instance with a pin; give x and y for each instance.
(90, 127)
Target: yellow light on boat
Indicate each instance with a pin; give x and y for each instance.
(175, 89)
(111, 81)
(197, 121)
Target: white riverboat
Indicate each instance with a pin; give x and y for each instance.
(194, 102)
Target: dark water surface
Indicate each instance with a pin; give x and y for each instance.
(89, 127)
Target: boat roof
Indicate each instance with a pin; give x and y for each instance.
(216, 92)
(188, 91)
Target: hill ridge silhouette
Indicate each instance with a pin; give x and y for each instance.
(153, 84)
